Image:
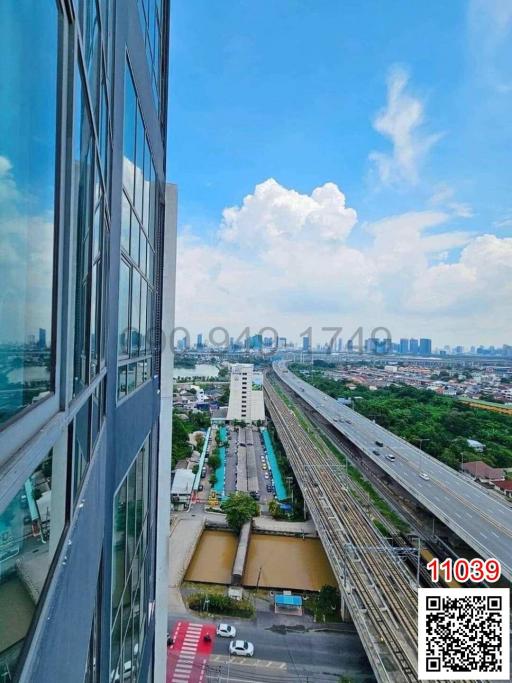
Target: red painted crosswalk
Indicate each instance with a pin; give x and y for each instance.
(188, 656)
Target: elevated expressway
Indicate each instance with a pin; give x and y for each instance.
(480, 519)
(376, 588)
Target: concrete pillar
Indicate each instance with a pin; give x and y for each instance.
(344, 613)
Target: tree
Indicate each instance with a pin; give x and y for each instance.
(213, 479)
(224, 397)
(240, 508)
(275, 510)
(214, 460)
(328, 599)
(199, 442)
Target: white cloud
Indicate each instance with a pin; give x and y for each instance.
(284, 258)
(401, 121)
(504, 222)
(444, 196)
(26, 261)
(490, 42)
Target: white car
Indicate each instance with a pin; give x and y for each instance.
(241, 648)
(226, 631)
(267, 475)
(424, 476)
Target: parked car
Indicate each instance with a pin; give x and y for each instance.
(269, 488)
(226, 631)
(200, 487)
(266, 475)
(241, 648)
(255, 495)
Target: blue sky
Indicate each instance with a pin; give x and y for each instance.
(403, 106)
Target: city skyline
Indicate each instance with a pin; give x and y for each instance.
(297, 341)
(368, 202)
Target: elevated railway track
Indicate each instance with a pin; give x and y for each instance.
(377, 588)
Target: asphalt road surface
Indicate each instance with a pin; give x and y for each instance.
(481, 520)
(288, 656)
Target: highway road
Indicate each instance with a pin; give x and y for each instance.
(481, 520)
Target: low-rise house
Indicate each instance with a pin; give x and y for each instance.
(483, 472)
(504, 487)
(182, 488)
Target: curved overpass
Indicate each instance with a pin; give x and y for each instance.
(481, 520)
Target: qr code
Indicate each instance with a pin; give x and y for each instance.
(463, 633)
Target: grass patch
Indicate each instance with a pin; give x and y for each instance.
(382, 528)
(216, 603)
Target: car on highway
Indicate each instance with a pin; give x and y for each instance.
(226, 631)
(241, 648)
(424, 476)
(379, 443)
(390, 456)
(376, 452)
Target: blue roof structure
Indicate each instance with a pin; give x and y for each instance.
(288, 600)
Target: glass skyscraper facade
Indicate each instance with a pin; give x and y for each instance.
(86, 235)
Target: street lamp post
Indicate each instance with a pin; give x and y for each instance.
(421, 454)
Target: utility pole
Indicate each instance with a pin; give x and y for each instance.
(420, 468)
(418, 564)
(289, 481)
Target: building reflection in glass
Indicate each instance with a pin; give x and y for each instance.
(27, 192)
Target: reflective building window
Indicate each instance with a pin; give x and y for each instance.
(27, 197)
(131, 565)
(150, 14)
(86, 428)
(30, 530)
(137, 277)
(92, 140)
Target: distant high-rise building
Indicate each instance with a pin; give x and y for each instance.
(340, 345)
(42, 338)
(414, 346)
(404, 345)
(305, 343)
(458, 350)
(281, 342)
(86, 441)
(350, 345)
(425, 347)
(199, 344)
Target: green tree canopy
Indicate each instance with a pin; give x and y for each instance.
(240, 508)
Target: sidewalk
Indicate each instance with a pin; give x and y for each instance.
(186, 529)
(269, 525)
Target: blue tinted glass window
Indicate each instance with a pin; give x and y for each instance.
(28, 99)
(124, 308)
